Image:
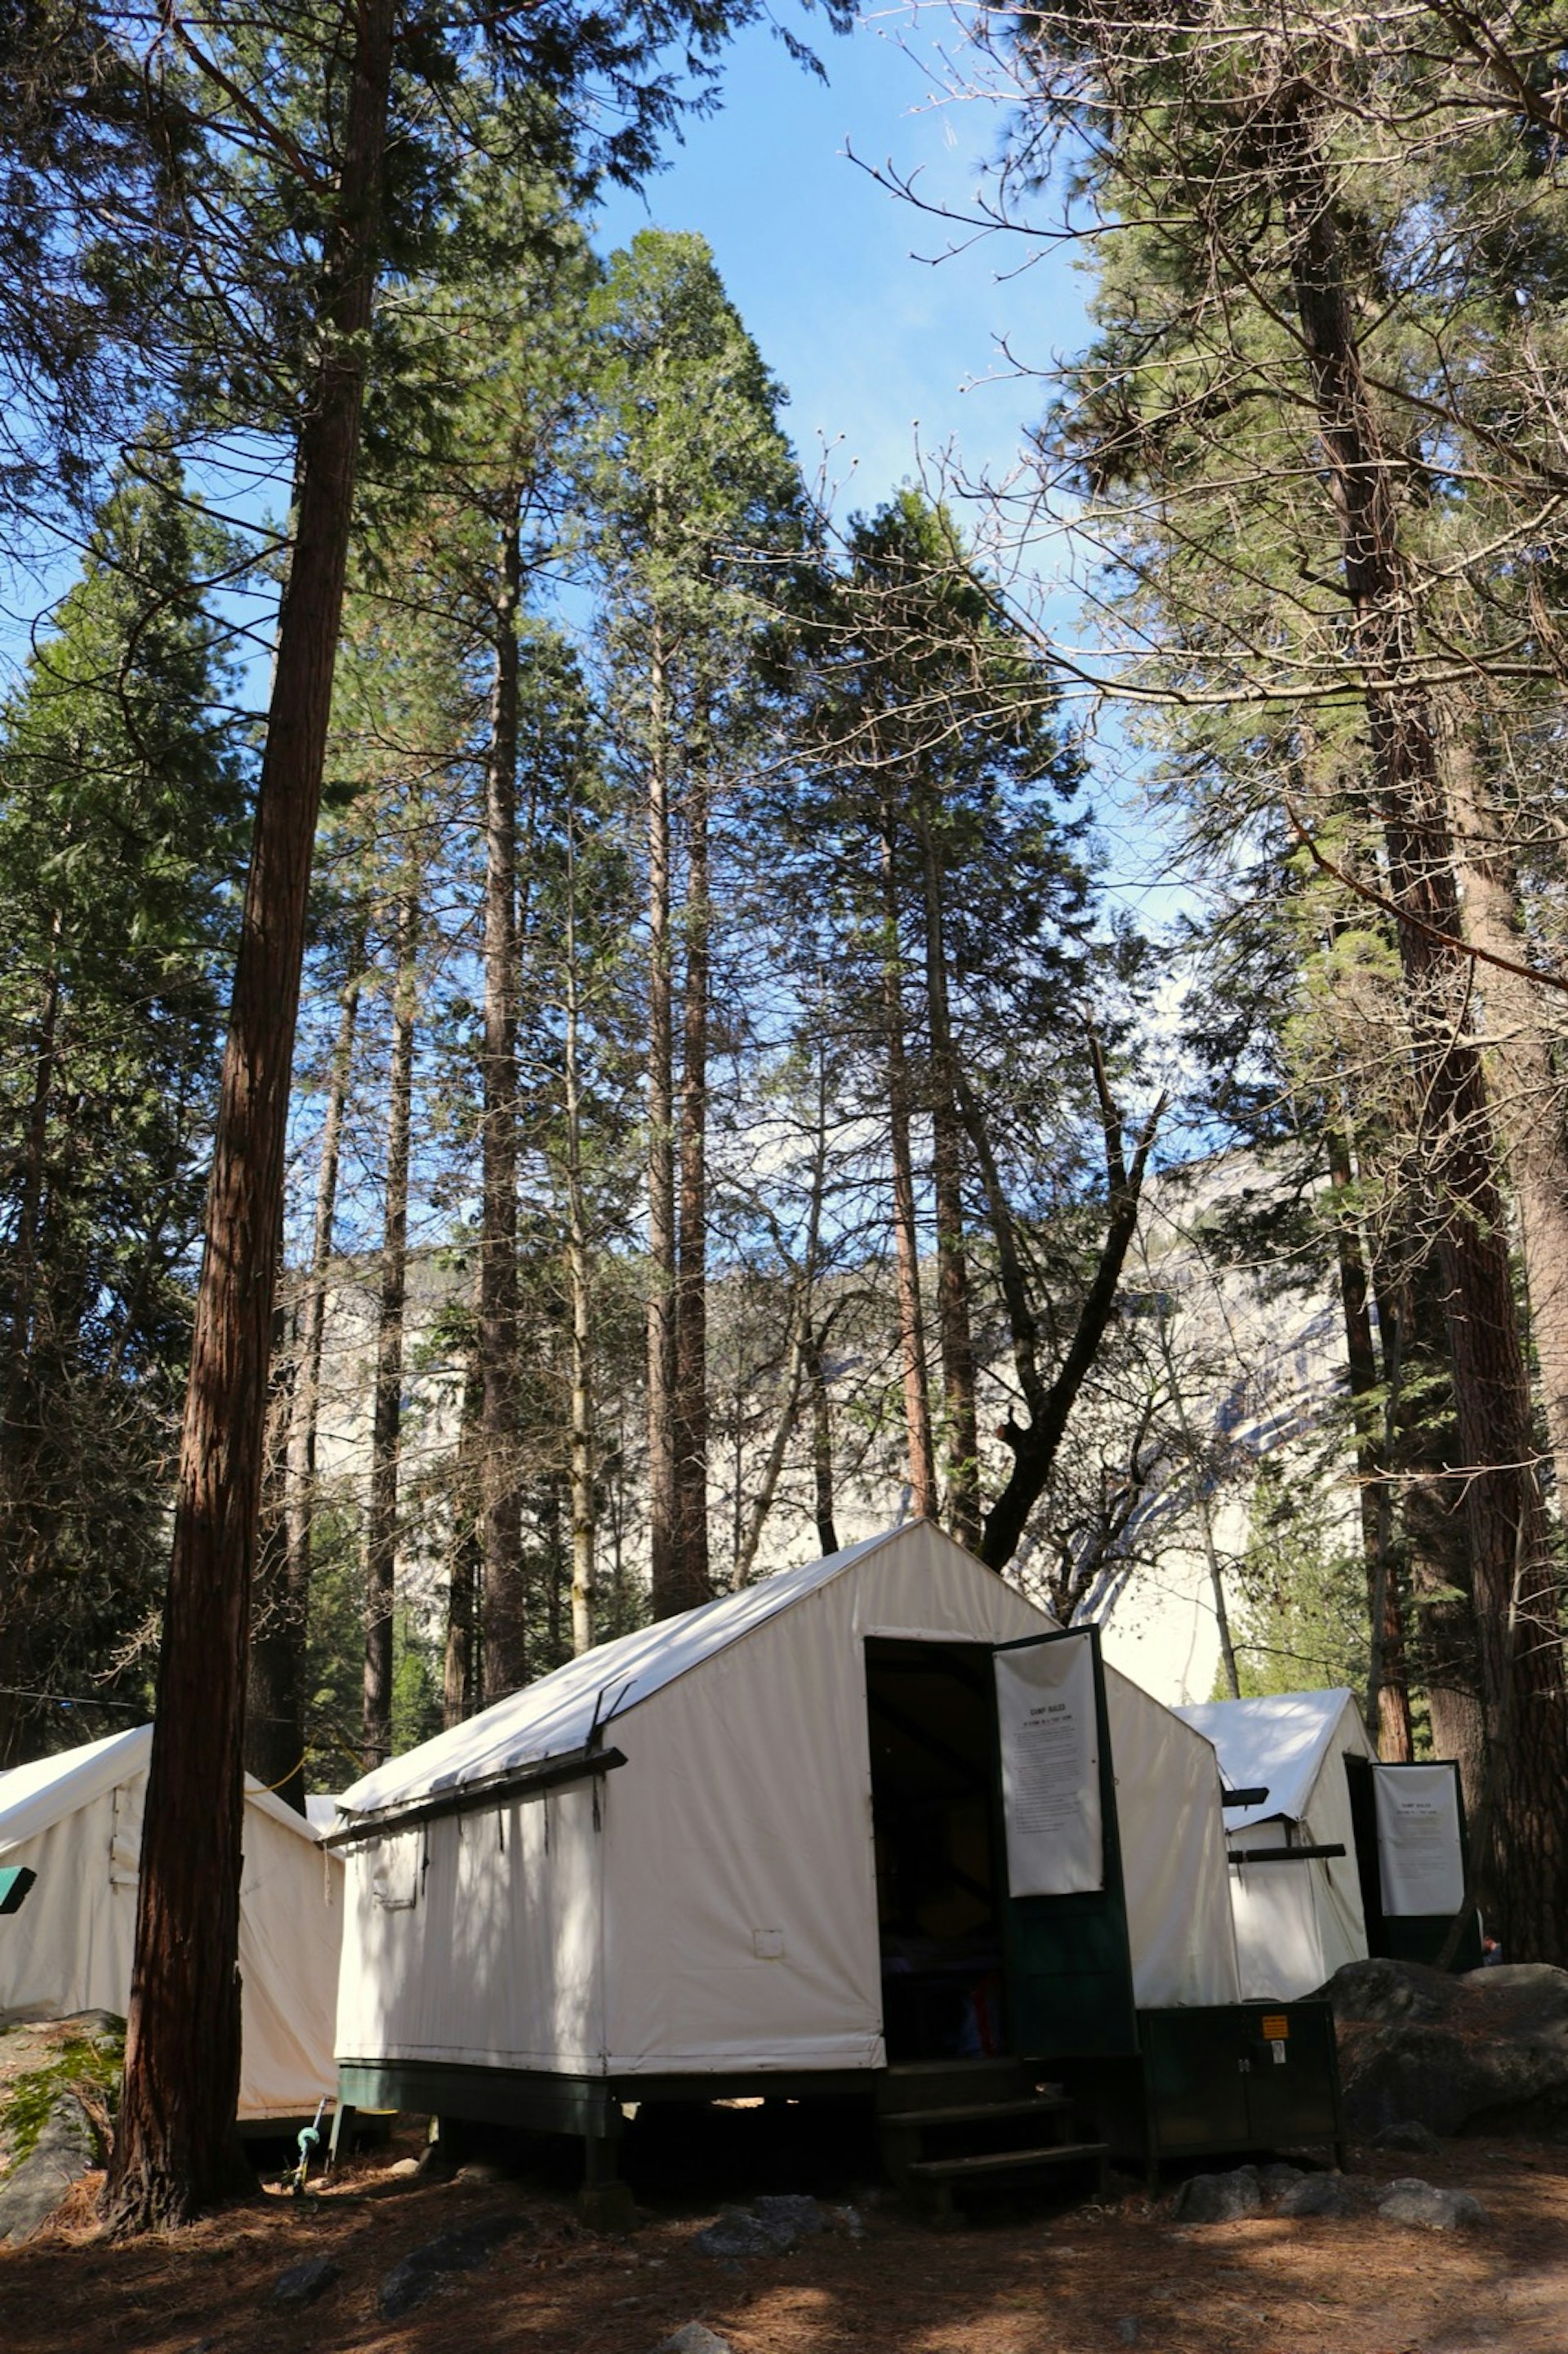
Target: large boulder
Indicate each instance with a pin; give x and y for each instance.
(1487, 2052)
(64, 2148)
(59, 2081)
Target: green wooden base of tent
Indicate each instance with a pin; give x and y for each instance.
(1215, 2079)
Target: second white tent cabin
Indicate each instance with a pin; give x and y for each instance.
(1299, 1912)
(876, 1824)
(74, 1820)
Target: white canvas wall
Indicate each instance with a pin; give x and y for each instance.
(725, 1914)
(69, 1947)
(1296, 1923)
(497, 1959)
(1173, 1855)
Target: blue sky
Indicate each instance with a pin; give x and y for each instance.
(885, 347)
(833, 275)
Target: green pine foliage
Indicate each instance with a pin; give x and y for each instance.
(1301, 1596)
(121, 834)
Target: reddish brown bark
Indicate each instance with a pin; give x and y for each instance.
(460, 1680)
(668, 1591)
(1529, 1095)
(505, 1641)
(1388, 1689)
(691, 1577)
(386, 1415)
(174, 2148)
(274, 1718)
(1521, 1673)
(920, 1452)
(275, 1730)
(954, 1332)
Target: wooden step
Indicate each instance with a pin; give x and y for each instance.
(1004, 2161)
(927, 2083)
(1038, 2104)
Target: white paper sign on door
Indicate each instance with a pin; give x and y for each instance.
(1419, 1858)
(1049, 1730)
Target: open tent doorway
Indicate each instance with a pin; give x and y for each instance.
(930, 1710)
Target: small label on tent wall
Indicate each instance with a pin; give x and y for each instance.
(14, 1882)
(768, 1945)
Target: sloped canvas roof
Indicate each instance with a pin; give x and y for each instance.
(34, 1796)
(557, 1715)
(1278, 1744)
(45, 1791)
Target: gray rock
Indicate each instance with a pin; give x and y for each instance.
(1486, 2053)
(1411, 2201)
(1126, 2329)
(1379, 1993)
(403, 2169)
(769, 2226)
(422, 2271)
(1321, 2194)
(692, 2337)
(790, 2215)
(852, 2220)
(304, 2282)
(1541, 1982)
(105, 2027)
(66, 2148)
(1219, 2198)
(1409, 2134)
(1277, 2178)
(736, 2233)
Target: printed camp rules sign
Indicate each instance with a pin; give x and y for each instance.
(1422, 1864)
(1049, 1730)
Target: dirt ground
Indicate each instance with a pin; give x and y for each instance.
(1039, 2280)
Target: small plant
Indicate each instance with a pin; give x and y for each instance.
(86, 2065)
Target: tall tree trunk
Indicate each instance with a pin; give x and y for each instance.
(668, 1591)
(304, 1423)
(500, 1515)
(1522, 1676)
(386, 1418)
(1049, 1404)
(19, 1407)
(175, 2147)
(275, 1731)
(921, 1455)
(1388, 1689)
(580, 1277)
(755, 1519)
(952, 1266)
(822, 1448)
(274, 1699)
(1199, 1475)
(690, 1570)
(459, 1665)
(1530, 1094)
(1423, 1446)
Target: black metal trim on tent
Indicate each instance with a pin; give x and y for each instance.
(512, 1782)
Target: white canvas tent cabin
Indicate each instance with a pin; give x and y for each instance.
(871, 1814)
(74, 1819)
(1298, 1906)
(1301, 1910)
